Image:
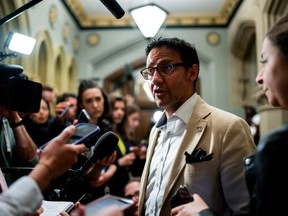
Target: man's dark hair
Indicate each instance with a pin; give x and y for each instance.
(186, 50)
(47, 88)
(65, 96)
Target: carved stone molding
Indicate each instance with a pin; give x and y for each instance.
(243, 39)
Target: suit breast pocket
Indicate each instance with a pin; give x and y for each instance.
(198, 174)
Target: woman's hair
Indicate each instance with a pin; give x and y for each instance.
(278, 35)
(112, 100)
(48, 105)
(87, 84)
(132, 108)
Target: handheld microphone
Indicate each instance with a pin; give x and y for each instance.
(104, 146)
(114, 8)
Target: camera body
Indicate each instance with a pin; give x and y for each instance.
(17, 93)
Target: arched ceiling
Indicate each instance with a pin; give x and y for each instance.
(92, 14)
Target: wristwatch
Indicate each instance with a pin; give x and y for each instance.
(16, 123)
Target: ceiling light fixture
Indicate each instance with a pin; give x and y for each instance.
(149, 18)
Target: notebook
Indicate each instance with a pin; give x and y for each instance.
(53, 208)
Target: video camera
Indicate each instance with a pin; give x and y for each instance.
(17, 93)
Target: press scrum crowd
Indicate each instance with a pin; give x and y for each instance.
(31, 130)
(194, 165)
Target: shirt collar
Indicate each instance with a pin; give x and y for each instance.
(162, 121)
(183, 112)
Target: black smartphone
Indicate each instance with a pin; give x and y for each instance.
(181, 196)
(84, 132)
(126, 205)
(83, 117)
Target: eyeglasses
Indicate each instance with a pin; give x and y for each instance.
(130, 196)
(164, 69)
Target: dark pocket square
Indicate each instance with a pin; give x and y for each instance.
(198, 155)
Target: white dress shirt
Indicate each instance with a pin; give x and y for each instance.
(171, 132)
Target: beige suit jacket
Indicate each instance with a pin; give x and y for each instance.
(220, 181)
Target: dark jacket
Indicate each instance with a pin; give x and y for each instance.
(42, 133)
(122, 174)
(266, 175)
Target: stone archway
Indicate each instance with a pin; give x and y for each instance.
(243, 47)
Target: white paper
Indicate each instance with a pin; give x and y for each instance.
(53, 208)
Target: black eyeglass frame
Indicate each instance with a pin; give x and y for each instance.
(145, 72)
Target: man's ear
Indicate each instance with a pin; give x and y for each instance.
(194, 71)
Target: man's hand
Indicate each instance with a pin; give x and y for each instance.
(56, 158)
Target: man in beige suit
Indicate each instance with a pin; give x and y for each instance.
(193, 143)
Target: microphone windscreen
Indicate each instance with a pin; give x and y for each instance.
(114, 8)
(105, 145)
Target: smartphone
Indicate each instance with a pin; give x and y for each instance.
(181, 196)
(126, 205)
(63, 113)
(83, 117)
(84, 132)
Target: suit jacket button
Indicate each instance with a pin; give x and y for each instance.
(247, 161)
(199, 128)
